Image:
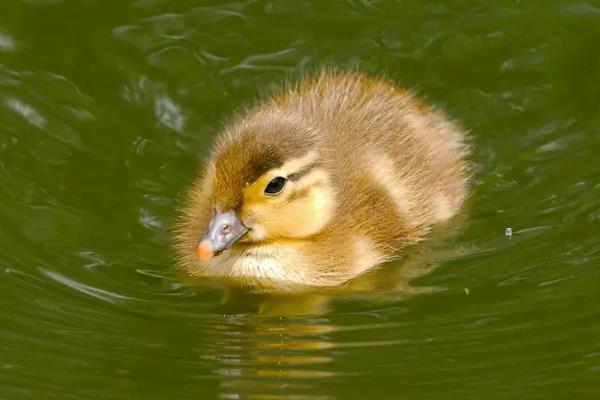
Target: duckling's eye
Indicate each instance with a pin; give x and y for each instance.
(275, 186)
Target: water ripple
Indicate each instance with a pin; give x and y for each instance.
(105, 109)
(86, 289)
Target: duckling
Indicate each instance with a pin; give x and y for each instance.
(321, 182)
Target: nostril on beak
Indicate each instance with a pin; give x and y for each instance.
(226, 229)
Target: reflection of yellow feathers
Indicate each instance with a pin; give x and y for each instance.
(368, 169)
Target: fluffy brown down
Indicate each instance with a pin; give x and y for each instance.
(394, 167)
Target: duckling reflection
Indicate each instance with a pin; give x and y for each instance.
(272, 357)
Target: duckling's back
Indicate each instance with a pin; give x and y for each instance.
(399, 165)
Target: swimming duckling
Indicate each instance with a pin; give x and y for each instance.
(322, 182)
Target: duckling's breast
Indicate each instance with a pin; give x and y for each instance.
(264, 262)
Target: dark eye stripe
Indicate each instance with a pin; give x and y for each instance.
(298, 195)
(303, 172)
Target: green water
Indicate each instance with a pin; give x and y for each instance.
(106, 108)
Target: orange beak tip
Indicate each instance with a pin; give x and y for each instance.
(204, 251)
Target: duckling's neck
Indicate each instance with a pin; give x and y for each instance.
(274, 260)
(322, 259)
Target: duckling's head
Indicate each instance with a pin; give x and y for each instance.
(269, 183)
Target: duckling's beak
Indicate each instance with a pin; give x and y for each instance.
(224, 229)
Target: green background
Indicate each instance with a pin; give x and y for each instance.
(106, 110)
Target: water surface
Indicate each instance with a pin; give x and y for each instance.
(106, 110)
